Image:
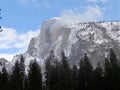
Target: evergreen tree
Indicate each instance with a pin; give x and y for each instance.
(0, 25)
(107, 76)
(18, 75)
(98, 77)
(16, 81)
(65, 79)
(51, 72)
(0, 17)
(57, 74)
(47, 73)
(81, 78)
(4, 79)
(35, 76)
(112, 72)
(22, 71)
(53, 78)
(74, 77)
(0, 80)
(26, 83)
(85, 74)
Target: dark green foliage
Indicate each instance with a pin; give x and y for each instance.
(112, 72)
(0, 18)
(74, 77)
(107, 76)
(51, 72)
(0, 78)
(59, 76)
(53, 78)
(65, 77)
(22, 71)
(35, 76)
(4, 79)
(85, 74)
(98, 77)
(26, 83)
(16, 80)
(47, 74)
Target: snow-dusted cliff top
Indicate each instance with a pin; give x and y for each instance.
(93, 38)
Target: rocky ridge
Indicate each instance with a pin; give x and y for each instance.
(93, 38)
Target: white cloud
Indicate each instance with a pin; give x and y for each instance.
(9, 57)
(12, 40)
(74, 16)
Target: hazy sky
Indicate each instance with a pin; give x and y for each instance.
(22, 19)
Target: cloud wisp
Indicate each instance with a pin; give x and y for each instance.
(12, 40)
(71, 16)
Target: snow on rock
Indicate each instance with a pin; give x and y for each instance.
(93, 38)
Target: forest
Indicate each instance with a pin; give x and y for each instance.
(59, 75)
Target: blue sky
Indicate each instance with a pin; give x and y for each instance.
(22, 19)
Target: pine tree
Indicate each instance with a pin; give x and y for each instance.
(107, 76)
(65, 80)
(16, 81)
(112, 72)
(22, 71)
(26, 83)
(0, 18)
(56, 75)
(98, 77)
(85, 74)
(53, 78)
(81, 78)
(74, 77)
(0, 80)
(35, 76)
(18, 75)
(4, 79)
(51, 72)
(47, 73)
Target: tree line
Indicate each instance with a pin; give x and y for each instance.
(58, 75)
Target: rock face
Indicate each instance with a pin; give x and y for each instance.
(93, 38)
(3, 61)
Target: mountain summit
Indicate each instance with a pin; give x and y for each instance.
(93, 38)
